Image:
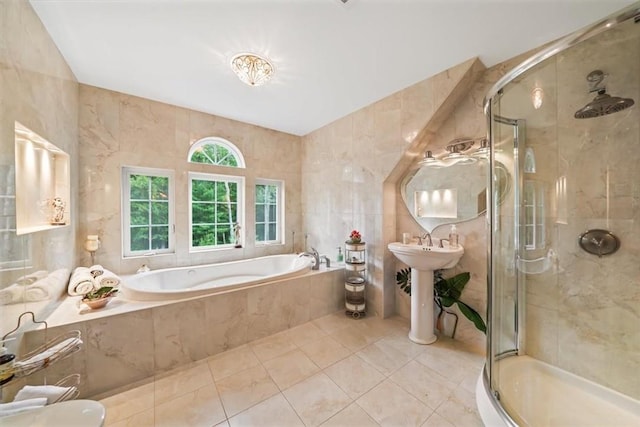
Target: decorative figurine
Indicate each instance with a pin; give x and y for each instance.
(58, 206)
(236, 230)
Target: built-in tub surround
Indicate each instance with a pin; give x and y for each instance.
(188, 282)
(131, 341)
(119, 130)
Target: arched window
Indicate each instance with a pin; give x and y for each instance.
(216, 151)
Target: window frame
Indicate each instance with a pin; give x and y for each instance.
(240, 212)
(126, 173)
(280, 205)
(215, 140)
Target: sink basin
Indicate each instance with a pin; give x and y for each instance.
(426, 257)
(423, 260)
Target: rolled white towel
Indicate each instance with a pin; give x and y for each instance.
(40, 358)
(58, 279)
(39, 291)
(96, 270)
(81, 282)
(50, 392)
(108, 278)
(9, 412)
(12, 294)
(35, 401)
(28, 279)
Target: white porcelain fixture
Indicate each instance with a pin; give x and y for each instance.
(423, 260)
(72, 413)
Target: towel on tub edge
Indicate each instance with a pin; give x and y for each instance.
(81, 282)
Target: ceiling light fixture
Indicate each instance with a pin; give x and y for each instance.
(537, 95)
(252, 69)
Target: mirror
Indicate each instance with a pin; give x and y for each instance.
(445, 195)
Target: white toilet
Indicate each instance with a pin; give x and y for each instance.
(72, 413)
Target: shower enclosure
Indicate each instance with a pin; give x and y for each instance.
(564, 257)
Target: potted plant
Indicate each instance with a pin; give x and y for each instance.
(355, 237)
(99, 297)
(446, 292)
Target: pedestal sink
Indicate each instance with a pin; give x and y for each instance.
(423, 260)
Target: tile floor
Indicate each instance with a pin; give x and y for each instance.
(332, 371)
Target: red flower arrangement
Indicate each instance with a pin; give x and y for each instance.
(355, 236)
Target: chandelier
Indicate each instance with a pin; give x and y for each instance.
(252, 69)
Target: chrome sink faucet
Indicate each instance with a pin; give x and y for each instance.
(316, 257)
(326, 259)
(442, 240)
(425, 236)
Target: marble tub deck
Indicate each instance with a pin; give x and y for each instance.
(332, 371)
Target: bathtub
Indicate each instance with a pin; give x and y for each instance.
(186, 282)
(537, 394)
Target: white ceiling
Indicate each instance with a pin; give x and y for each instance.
(331, 59)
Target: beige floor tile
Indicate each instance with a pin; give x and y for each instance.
(376, 327)
(403, 344)
(272, 346)
(316, 399)
(305, 334)
(169, 386)
(244, 389)
(225, 423)
(290, 368)
(384, 357)
(423, 383)
(460, 409)
(334, 322)
(273, 412)
(232, 361)
(141, 419)
(389, 405)
(353, 338)
(198, 408)
(446, 362)
(123, 405)
(354, 376)
(351, 416)
(436, 420)
(325, 351)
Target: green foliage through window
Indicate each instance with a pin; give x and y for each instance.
(148, 212)
(267, 201)
(214, 211)
(216, 151)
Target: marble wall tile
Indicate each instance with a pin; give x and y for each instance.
(226, 321)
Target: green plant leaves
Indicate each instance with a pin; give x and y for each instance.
(472, 315)
(403, 279)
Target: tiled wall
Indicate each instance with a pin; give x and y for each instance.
(121, 130)
(40, 91)
(122, 349)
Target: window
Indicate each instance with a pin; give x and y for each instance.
(147, 211)
(534, 205)
(216, 151)
(269, 207)
(215, 207)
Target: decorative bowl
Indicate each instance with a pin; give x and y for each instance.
(95, 304)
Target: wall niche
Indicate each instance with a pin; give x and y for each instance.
(43, 185)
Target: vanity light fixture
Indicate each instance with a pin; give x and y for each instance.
(456, 152)
(252, 69)
(430, 161)
(484, 150)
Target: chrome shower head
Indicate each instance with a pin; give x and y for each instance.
(603, 103)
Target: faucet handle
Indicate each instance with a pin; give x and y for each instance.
(314, 251)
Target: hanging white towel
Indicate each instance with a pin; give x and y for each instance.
(13, 408)
(40, 358)
(81, 282)
(50, 392)
(8, 412)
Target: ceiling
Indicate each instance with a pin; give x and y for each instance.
(330, 58)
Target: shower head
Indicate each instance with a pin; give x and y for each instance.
(603, 103)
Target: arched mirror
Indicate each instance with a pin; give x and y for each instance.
(455, 193)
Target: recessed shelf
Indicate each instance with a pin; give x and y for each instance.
(43, 185)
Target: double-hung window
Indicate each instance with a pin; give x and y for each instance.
(148, 211)
(269, 205)
(216, 211)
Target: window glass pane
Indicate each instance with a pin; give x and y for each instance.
(259, 213)
(159, 213)
(272, 192)
(203, 235)
(223, 235)
(202, 213)
(529, 236)
(222, 192)
(260, 232)
(159, 188)
(200, 157)
(260, 189)
(139, 187)
(273, 213)
(272, 232)
(223, 214)
(139, 238)
(139, 213)
(202, 190)
(159, 237)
